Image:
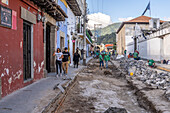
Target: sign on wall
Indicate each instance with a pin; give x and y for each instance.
(6, 17)
(5, 2)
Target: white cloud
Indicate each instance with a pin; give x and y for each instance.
(125, 19)
(98, 18)
(166, 18)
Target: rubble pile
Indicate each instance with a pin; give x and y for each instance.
(145, 74)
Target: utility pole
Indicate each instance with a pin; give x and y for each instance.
(84, 34)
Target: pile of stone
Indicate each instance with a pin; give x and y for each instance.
(146, 74)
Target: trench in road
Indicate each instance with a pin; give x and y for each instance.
(96, 90)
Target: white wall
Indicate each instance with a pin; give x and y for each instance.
(148, 49)
(166, 47)
(71, 27)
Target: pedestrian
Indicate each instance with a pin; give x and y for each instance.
(59, 56)
(79, 52)
(101, 60)
(82, 53)
(76, 58)
(106, 59)
(65, 60)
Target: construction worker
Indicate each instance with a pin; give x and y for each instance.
(106, 59)
(151, 63)
(136, 55)
(101, 60)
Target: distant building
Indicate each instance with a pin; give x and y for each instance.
(155, 45)
(126, 32)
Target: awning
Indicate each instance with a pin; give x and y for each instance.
(52, 9)
(74, 6)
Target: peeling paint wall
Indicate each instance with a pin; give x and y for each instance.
(0, 88)
(11, 52)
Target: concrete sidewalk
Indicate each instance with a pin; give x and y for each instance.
(163, 67)
(35, 97)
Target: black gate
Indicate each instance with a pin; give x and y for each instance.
(27, 50)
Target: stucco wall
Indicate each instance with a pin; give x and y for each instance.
(62, 26)
(71, 27)
(166, 47)
(148, 49)
(121, 41)
(124, 37)
(11, 52)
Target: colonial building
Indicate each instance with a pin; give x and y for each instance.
(28, 37)
(155, 45)
(126, 32)
(73, 12)
(62, 40)
(80, 26)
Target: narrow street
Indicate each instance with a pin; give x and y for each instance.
(84, 56)
(95, 90)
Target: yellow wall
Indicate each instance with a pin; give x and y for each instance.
(121, 41)
(65, 3)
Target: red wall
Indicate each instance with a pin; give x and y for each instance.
(11, 51)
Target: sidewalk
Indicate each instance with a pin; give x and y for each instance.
(163, 67)
(33, 98)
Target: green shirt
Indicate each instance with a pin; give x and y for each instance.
(106, 57)
(100, 58)
(135, 55)
(151, 62)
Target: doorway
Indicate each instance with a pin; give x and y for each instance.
(73, 48)
(135, 44)
(62, 43)
(27, 50)
(48, 50)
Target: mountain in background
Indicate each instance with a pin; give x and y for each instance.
(108, 34)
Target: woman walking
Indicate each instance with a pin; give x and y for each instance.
(76, 58)
(59, 56)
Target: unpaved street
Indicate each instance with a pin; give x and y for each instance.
(98, 89)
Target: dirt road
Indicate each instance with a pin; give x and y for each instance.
(98, 89)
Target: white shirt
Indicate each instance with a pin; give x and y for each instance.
(58, 55)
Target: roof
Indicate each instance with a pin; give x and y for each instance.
(107, 45)
(52, 8)
(140, 19)
(74, 6)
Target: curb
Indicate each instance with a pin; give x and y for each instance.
(54, 104)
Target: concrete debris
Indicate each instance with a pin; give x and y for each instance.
(115, 110)
(61, 88)
(142, 72)
(107, 72)
(119, 57)
(167, 94)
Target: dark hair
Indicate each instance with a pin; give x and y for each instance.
(77, 51)
(58, 49)
(65, 48)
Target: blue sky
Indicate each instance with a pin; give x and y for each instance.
(130, 8)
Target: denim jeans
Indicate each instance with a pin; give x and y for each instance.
(101, 63)
(106, 64)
